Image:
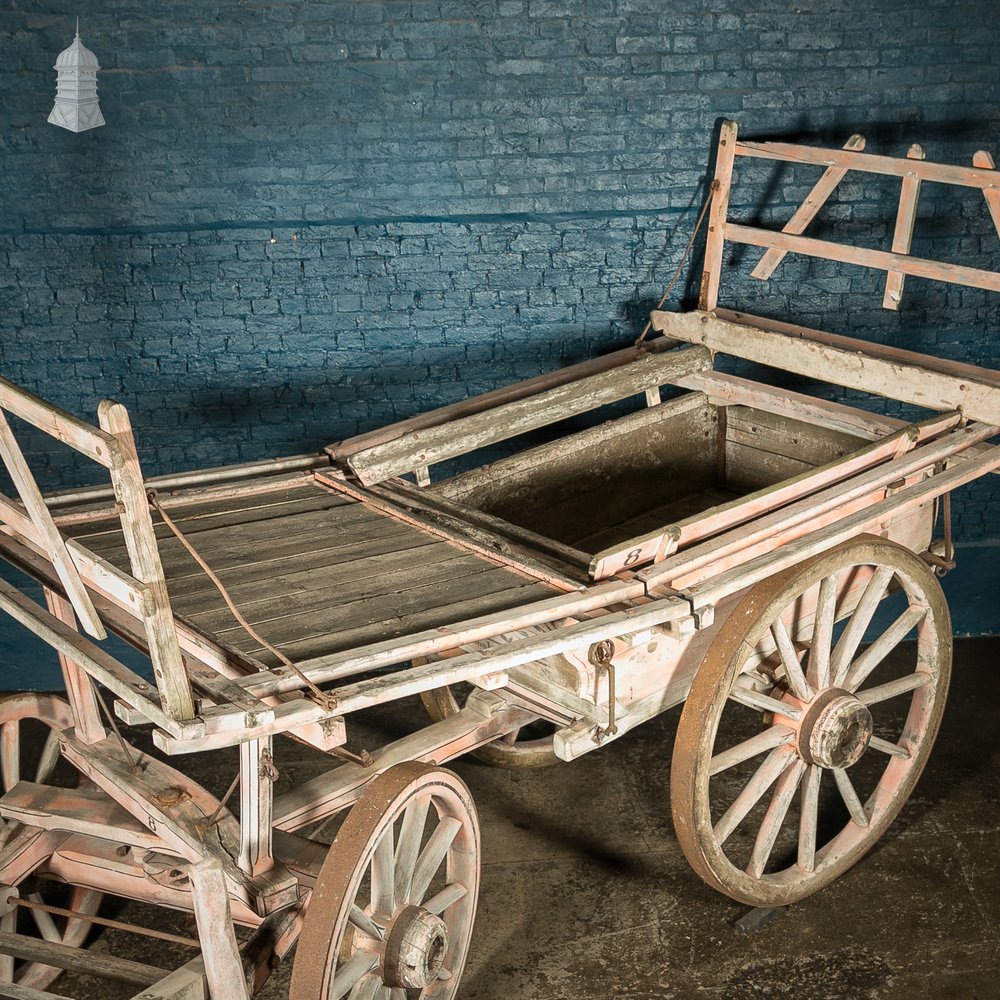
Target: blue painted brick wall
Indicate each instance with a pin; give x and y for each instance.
(304, 219)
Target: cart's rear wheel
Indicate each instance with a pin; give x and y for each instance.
(799, 743)
(392, 912)
(34, 757)
(530, 746)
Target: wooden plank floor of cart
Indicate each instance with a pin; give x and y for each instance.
(313, 571)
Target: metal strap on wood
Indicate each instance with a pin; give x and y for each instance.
(427, 446)
(912, 169)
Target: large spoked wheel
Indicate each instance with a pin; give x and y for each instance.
(392, 912)
(810, 721)
(34, 756)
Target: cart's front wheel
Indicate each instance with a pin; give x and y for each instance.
(35, 756)
(392, 912)
(810, 720)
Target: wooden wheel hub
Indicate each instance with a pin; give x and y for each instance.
(835, 731)
(415, 949)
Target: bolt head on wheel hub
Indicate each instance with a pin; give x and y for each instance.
(415, 949)
(835, 730)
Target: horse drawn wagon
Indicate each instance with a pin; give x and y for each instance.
(764, 557)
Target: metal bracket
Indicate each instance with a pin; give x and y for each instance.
(601, 655)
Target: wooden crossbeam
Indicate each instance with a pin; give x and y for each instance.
(806, 212)
(53, 541)
(942, 173)
(904, 379)
(87, 440)
(81, 960)
(906, 216)
(881, 260)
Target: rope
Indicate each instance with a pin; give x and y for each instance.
(324, 699)
(684, 256)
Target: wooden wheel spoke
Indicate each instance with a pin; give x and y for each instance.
(790, 661)
(351, 972)
(383, 895)
(846, 788)
(776, 736)
(883, 646)
(449, 895)
(49, 757)
(10, 753)
(43, 921)
(893, 689)
(397, 994)
(774, 818)
(365, 924)
(510, 738)
(367, 988)
(809, 818)
(822, 637)
(432, 855)
(773, 767)
(762, 702)
(892, 749)
(854, 633)
(411, 834)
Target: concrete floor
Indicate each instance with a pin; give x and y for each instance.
(586, 894)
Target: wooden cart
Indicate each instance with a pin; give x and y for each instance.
(763, 556)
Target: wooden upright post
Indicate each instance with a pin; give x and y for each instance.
(257, 775)
(903, 235)
(140, 540)
(219, 951)
(717, 217)
(79, 686)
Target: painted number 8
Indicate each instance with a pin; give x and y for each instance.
(633, 557)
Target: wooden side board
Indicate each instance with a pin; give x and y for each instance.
(435, 444)
(859, 367)
(490, 400)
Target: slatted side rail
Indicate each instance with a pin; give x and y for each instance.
(343, 450)
(656, 546)
(772, 533)
(912, 170)
(418, 449)
(142, 592)
(853, 363)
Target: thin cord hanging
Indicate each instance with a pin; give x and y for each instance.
(713, 187)
(321, 696)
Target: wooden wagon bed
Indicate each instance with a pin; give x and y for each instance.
(314, 571)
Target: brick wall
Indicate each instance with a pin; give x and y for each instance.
(304, 219)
